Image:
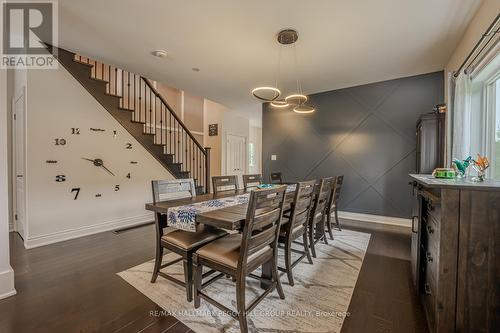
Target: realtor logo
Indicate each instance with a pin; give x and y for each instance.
(24, 26)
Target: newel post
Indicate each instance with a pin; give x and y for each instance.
(207, 170)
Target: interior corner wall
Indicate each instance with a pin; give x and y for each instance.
(56, 103)
(214, 114)
(366, 133)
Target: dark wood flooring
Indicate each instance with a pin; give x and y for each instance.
(73, 287)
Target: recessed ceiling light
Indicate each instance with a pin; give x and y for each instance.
(159, 53)
(195, 69)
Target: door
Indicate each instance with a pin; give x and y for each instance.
(236, 155)
(18, 108)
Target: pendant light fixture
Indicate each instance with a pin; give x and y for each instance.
(296, 99)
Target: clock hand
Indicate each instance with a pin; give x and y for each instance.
(88, 159)
(107, 170)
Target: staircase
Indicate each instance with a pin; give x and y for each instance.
(134, 102)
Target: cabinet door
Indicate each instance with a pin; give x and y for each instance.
(415, 236)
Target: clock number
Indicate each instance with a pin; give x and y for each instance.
(98, 195)
(60, 142)
(128, 146)
(128, 175)
(117, 188)
(77, 190)
(75, 131)
(60, 178)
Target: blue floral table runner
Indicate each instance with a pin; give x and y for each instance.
(184, 217)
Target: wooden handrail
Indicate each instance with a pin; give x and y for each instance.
(157, 94)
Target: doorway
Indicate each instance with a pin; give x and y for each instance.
(19, 176)
(236, 155)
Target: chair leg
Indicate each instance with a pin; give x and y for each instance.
(198, 273)
(288, 260)
(329, 224)
(240, 304)
(322, 229)
(158, 259)
(311, 240)
(337, 219)
(306, 246)
(188, 276)
(276, 277)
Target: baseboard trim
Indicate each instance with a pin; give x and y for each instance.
(386, 220)
(7, 284)
(32, 242)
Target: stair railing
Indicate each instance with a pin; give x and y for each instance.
(149, 107)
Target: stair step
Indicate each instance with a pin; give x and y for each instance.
(83, 63)
(159, 144)
(143, 133)
(138, 122)
(113, 95)
(98, 80)
(125, 109)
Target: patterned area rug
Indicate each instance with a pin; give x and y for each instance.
(318, 302)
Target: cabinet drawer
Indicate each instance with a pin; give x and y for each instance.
(434, 211)
(429, 299)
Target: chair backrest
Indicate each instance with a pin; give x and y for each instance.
(164, 190)
(321, 200)
(224, 183)
(250, 181)
(263, 221)
(276, 178)
(335, 195)
(302, 204)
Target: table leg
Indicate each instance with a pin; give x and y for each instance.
(266, 274)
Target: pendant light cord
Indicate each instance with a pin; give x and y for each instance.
(299, 86)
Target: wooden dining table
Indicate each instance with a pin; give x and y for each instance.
(229, 218)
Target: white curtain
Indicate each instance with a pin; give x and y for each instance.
(462, 117)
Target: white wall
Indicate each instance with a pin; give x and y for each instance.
(6, 272)
(56, 102)
(255, 137)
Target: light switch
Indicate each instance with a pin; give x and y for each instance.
(274, 157)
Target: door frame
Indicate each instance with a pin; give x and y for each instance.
(20, 93)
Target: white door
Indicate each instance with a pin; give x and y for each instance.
(236, 156)
(18, 107)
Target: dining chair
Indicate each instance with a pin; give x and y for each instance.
(296, 226)
(276, 178)
(316, 226)
(238, 255)
(251, 181)
(224, 183)
(332, 207)
(183, 243)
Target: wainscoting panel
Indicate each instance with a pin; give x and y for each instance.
(366, 133)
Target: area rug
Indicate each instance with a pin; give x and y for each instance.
(318, 302)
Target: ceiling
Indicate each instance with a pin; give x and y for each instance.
(341, 43)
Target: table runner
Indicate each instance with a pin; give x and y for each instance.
(184, 217)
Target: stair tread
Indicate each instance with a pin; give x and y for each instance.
(138, 122)
(113, 95)
(98, 80)
(126, 109)
(148, 133)
(82, 63)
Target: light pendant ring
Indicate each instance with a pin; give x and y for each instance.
(279, 104)
(303, 109)
(260, 93)
(296, 99)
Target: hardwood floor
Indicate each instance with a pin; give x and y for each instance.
(73, 287)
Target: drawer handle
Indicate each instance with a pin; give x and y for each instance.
(430, 230)
(427, 289)
(429, 256)
(413, 229)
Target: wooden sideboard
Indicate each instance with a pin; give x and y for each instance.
(456, 253)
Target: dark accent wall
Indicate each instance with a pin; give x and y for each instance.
(366, 133)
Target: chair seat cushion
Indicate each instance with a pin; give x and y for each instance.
(188, 240)
(226, 251)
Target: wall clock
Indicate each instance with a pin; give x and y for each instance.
(90, 163)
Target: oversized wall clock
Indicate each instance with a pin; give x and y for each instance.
(95, 162)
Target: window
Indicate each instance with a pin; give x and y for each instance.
(496, 148)
(251, 154)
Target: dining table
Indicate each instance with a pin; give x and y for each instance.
(230, 218)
